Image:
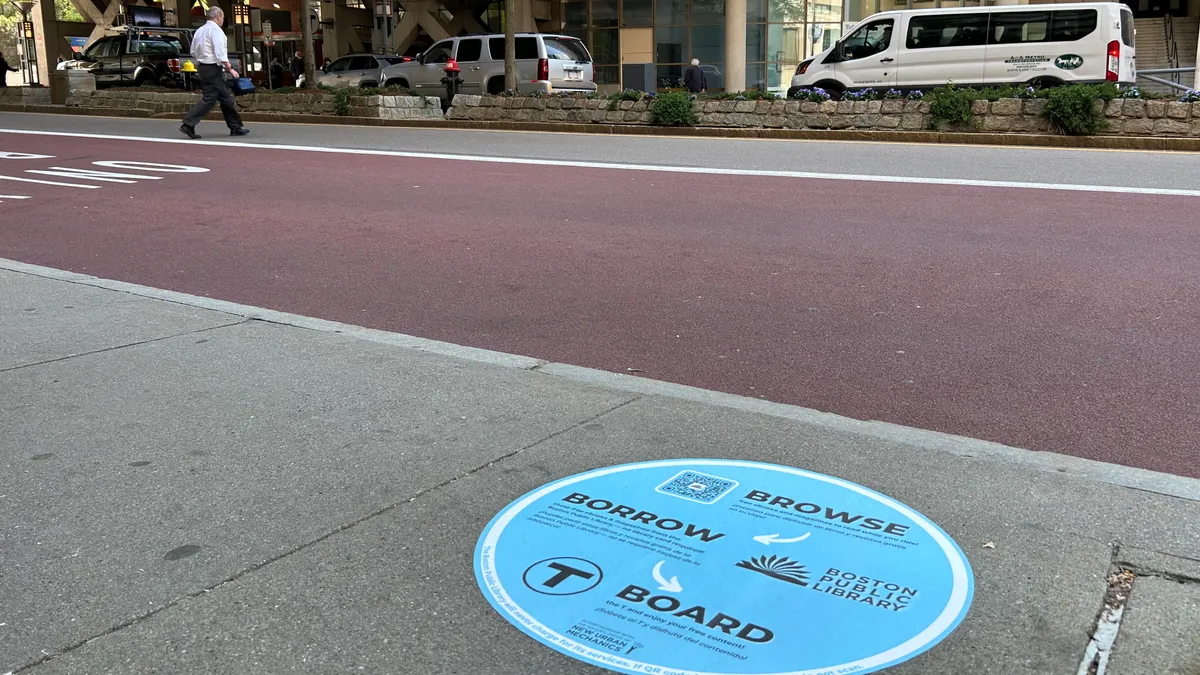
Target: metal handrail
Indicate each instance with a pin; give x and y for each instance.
(1168, 83)
(1172, 46)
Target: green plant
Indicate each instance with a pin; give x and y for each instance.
(950, 106)
(672, 110)
(341, 102)
(815, 95)
(1072, 109)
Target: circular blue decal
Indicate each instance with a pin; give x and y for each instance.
(706, 566)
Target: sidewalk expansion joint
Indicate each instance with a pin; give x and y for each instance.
(1108, 622)
(124, 346)
(313, 542)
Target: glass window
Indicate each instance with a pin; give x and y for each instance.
(98, 48)
(756, 76)
(714, 75)
(708, 12)
(606, 46)
(339, 66)
(756, 38)
(440, 52)
(785, 11)
(671, 77)
(470, 50)
(670, 44)
(496, 48)
(574, 14)
(527, 48)
(671, 11)
(1016, 27)
(708, 43)
(362, 63)
(155, 44)
(1071, 25)
(756, 11)
(604, 13)
(637, 13)
(559, 49)
(947, 30)
(607, 74)
(1127, 27)
(869, 40)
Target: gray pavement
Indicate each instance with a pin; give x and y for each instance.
(1037, 165)
(190, 486)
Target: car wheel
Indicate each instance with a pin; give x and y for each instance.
(834, 89)
(495, 86)
(145, 79)
(397, 82)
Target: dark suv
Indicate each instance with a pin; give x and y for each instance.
(137, 57)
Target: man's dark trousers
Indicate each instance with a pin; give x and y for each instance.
(212, 79)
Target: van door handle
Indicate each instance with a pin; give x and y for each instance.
(886, 60)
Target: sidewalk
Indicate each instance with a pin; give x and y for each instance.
(190, 486)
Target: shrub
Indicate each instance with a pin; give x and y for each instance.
(861, 95)
(951, 106)
(750, 95)
(341, 102)
(672, 110)
(892, 94)
(1072, 109)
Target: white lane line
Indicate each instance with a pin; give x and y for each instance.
(48, 182)
(811, 175)
(12, 197)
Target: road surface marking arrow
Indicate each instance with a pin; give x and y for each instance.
(671, 586)
(769, 539)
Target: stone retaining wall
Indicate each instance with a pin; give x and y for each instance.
(177, 102)
(25, 95)
(1125, 117)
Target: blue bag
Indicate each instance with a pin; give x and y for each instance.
(241, 86)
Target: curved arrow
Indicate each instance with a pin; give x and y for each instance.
(671, 586)
(769, 539)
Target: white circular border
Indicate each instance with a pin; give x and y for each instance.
(486, 552)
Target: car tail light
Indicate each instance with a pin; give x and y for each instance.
(173, 65)
(1114, 61)
(543, 69)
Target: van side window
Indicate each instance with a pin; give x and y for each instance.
(1069, 25)
(869, 40)
(947, 30)
(1016, 27)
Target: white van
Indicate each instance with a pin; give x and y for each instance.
(1039, 45)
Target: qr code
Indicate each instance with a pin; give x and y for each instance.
(697, 487)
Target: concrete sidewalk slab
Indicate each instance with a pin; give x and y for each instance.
(269, 498)
(230, 449)
(1161, 629)
(46, 320)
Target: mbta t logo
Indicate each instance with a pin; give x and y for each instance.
(563, 576)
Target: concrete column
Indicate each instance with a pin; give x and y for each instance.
(1196, 72)
(735, 45)
(331, 46)
(524, 22)
(177, 13)
(48, 43)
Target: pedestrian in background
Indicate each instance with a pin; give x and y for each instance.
(297, 66)
(694, 79)
(5, 69)
(210, 48)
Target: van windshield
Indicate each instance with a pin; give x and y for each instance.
(564, 49)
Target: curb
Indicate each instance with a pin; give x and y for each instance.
(1155, 143)
(1112, 474)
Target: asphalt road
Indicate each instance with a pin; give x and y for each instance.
(1056, 321)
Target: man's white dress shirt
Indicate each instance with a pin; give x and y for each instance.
(209, 44)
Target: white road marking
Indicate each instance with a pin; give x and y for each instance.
(48, 182)
(810, 175)
(13, 197)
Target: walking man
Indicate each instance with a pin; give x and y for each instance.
(297, 66)
(694, 78)
(210, 48)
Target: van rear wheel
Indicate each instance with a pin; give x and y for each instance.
(1045, 83)
(834, 89)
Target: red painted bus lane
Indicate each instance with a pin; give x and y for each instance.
(1058, 321)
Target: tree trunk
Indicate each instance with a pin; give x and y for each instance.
(306, 44)
(510, 46)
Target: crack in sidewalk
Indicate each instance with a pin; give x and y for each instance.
(124, 346)
(313, 542)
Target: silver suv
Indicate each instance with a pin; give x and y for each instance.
(545, 63)
(355, 70)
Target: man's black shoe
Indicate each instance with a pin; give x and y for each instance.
(240, 131)
(190, 132)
